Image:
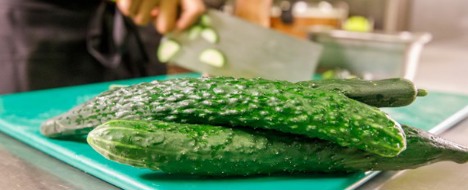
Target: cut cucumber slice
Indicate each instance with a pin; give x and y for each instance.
(205, 20)
(210, 35)
(195, 31)
(167, 49)
(213, 57)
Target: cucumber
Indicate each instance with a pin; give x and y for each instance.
(220, 151)
(205, 20)
(195, 31)
(392, 92)
(210, 35)
(256, 103)
(212, 57)
(167, 49)
(113, 86)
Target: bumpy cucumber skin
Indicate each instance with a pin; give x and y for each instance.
(393, 92)
(256, 103)
(220, 151)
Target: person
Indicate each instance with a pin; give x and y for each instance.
(163, 13)
(54, 43)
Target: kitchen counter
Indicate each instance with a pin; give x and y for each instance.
(26, 168)
(443, 67)
(442, 175)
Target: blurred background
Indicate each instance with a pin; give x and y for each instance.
(422, 40)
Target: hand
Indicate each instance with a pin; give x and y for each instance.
(163, 13)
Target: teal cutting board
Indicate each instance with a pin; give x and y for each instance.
(21, 115)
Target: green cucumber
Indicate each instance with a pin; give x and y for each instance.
(212, 57)
(167, 50)
(114, 86)
(393, 92)
(205, 20)
(195, 31)
(220, 151)
(256, 103)
(210, 35)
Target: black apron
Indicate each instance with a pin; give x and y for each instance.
(53, 43)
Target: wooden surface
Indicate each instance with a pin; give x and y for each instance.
(255, 11)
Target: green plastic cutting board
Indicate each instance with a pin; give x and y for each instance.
(21, 115)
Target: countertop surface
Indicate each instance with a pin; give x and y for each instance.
(23, 167)
(443, 67)
(442, 175)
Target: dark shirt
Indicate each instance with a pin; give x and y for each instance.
(53, 43)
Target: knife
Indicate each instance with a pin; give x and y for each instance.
(249, 50)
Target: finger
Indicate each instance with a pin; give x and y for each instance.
(134, 6)
(191, 10)
(167, 16)
(155, 12)
(143, 15)
(124, 6)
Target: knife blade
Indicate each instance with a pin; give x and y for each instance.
(250, 51)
